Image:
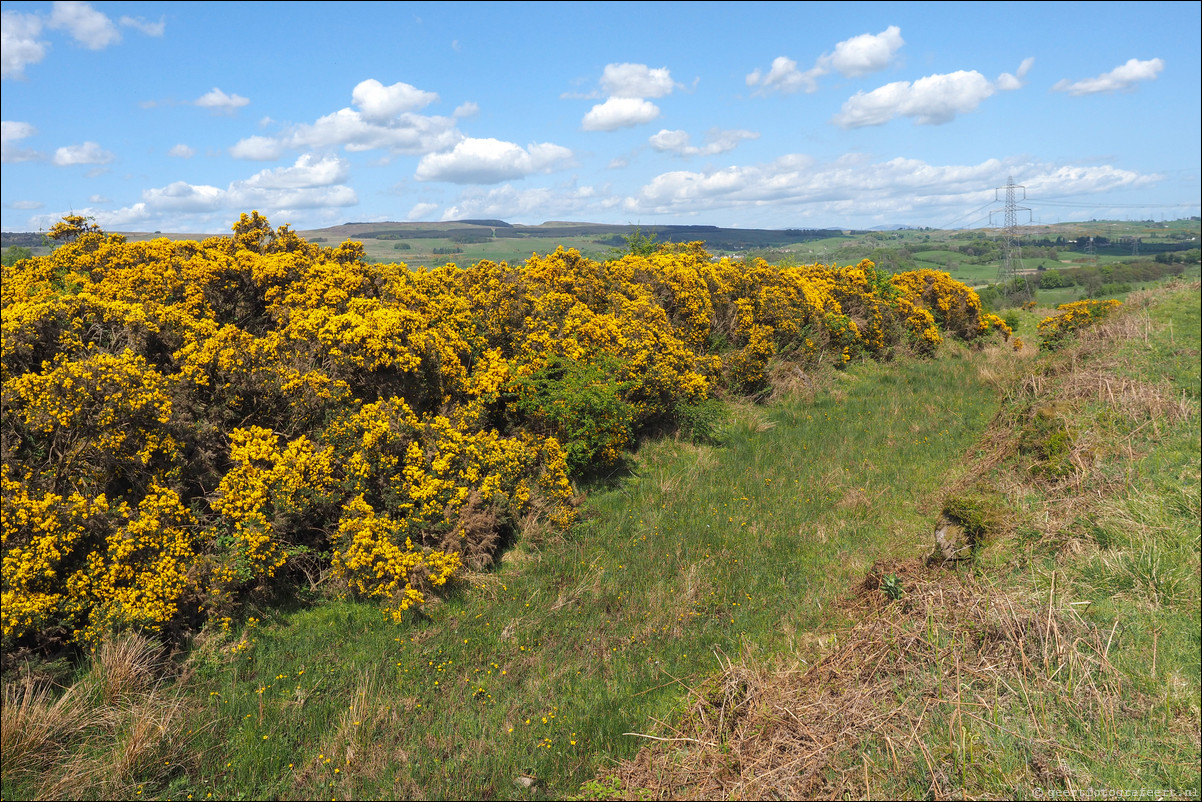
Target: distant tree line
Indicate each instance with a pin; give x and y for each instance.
(27, 239)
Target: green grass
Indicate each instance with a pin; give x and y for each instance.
(703, 553)
(737, 551)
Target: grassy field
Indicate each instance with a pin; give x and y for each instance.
(415, 243)
(716, 593)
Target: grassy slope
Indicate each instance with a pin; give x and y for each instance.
(703, 554)
(1066, 659)
(706, 558)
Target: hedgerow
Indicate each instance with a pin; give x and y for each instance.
(183, 422)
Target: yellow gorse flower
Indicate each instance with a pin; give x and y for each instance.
(188, 419)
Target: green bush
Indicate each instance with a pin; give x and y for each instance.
(582, 406)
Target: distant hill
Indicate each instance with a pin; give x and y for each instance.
(715, 238)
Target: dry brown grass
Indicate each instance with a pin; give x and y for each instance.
(951, 650)
(37, 724)
(112, 730)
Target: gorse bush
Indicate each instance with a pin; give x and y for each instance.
(187, 421)
(1058, 329)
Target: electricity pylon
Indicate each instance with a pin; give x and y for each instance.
(1012, 256)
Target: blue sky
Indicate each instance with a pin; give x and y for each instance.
(179, 116)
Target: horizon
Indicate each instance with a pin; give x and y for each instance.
(780, 116)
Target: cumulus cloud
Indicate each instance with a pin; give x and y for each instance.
(19, 43)
(87, 153)
(21, 33)
(463, 110)
(257, 148)
(866, 53)
(219, 102)
(405, 133)
(627, 87)
(378, 102)
(99, 199)
(27, 205)
(636, 80)
(1007, 82)
(155, 29)
(422, 211)
(784, 77)
(310, 183)
(854, 57)
(84, 24)
(491, 161)
(717, 141)
(537, 203)
(853, 185)
(933, 100)
(1121, 78)
(381, 122)
(12, 132)
(619, 112)
(308, 171)
(181, 151)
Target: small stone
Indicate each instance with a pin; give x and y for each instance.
(951, 541)
(524, 781)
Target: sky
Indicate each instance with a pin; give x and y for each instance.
(178, 117)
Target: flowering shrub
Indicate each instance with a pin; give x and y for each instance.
(1054, 331)
(183, 419)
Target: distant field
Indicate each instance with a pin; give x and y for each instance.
(468, 242)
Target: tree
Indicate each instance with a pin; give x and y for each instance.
(16, 254)
(638, 244)
(73, 226)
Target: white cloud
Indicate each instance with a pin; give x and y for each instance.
(99, 199)
(1050, 180)
(464, 110)
(717, 141)
(406, 133)
(220, 102)
(308, 171)
(181, 151)
(85, 24)
(627, 87)
(310, 183)
(490, 161)
(619, 112)
(19, 43)
(149, 28)
(667, 140)
(1121, 78)
(377, 102)
(257, 148)
(87, 153)
(12, 132)
(180, 196)
(1007, 82)
(539, 203)
(784, 77)
(854, 186)
(866, 53)
(636, 81)
(381, 122)
(933, 100)
(422, 211)
(27, 205)
(854, 57)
